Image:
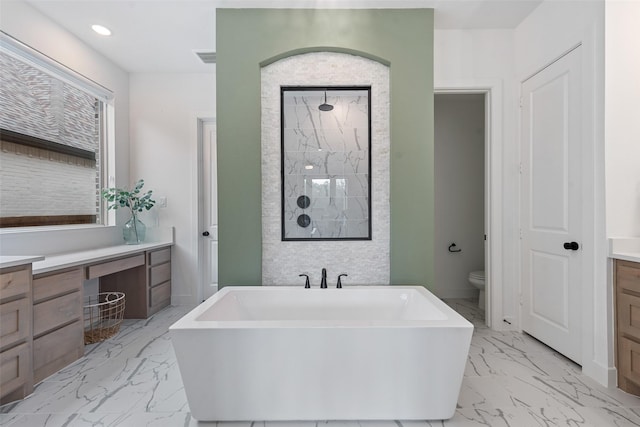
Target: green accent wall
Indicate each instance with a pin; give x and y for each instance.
(249, 38)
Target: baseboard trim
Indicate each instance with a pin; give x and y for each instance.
(184, 300)
(604, 375)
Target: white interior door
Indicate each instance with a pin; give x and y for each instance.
(209, 200)
(551, 205)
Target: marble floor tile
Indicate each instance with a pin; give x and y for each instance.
(132, 379)
(488, 341)
(138, 419)
(518, 364)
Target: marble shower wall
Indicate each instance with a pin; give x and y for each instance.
(326, 161)
(365, 261)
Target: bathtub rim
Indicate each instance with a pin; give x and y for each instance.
(190, 321)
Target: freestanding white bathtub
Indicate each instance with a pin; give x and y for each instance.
(287, 353)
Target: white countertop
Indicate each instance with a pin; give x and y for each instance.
(627, 249)
(16, 260)
(90, 256)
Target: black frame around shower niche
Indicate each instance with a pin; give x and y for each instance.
(305, 217)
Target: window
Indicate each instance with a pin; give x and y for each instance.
(53, 141)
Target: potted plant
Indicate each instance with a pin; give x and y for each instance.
(134, 230)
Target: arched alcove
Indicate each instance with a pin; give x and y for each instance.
(366, 262)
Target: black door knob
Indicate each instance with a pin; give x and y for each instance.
(205, 233)
(571, 246)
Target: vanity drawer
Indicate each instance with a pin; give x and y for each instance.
(56, 312)
(54, 351)
(15, 282)
(160, 294)
(14, 322)
(628, 276)
(48, 286)
(628, 307)
(159, 274)
(629, 360)
(158, 257)
(111, 267)
(15, 370)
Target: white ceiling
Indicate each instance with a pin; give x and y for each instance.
(162, 35)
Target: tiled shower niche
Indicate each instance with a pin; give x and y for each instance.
(326, 164)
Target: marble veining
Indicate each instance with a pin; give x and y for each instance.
(132, 379)
(326, 158)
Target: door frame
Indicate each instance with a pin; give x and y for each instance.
(201, 121)
(492, 89)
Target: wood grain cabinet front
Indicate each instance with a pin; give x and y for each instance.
(627, 289)
(159, 279)
(16, 379)
(58, 337)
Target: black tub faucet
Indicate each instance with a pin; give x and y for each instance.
(339, 285)
(323, 282)
(306, 283)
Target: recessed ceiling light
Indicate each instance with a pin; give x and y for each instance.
(103, 31)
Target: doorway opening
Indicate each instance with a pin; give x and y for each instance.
(492, 179)
(460, 153)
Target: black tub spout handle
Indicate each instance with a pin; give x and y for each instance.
(307, 285)
(339, 285)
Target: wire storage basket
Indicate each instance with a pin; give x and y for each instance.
(103, 315)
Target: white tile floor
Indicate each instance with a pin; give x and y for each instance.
(133, 380)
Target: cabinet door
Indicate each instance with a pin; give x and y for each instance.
(15, 372)
(15, 282)
(627, 282)
(51, 285)
(55, 350)
(15, 322)
(629, 358)
(159, 274)
(56, 312)
(159, 257)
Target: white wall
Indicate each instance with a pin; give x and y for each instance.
(551, 30)
(485, 59)
(164, 150)
(459, 192)
(622, 110)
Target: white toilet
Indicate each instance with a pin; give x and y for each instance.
(476, 278)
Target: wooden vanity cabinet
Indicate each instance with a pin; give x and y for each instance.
(159, 279)
(41, 315)
(16, 379)
(627, 290)
(58, 332)
(145, 279)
